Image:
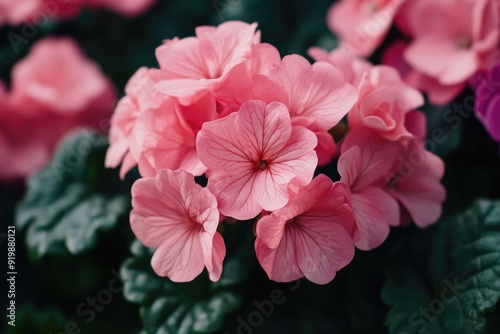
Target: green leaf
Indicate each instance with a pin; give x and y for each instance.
(199, 306)
(29, 319)
(446, 279)
(72, 199)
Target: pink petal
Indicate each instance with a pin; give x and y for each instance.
(220, 147)
(279, 263)
(234, 195)
(267, 129)
(375, 211)
(322, 249)
(318, 92)
(418, 187)
(180, 257)
(366, 158)
(297, 160)
(440, 57)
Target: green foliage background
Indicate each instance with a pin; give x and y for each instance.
(61, 264)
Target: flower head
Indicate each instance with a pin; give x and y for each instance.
(179, 217)
(310, 236)
(253, 155)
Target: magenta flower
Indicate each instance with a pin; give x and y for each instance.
(179, 217)
(253, 155)
(310, 236)
(488, 101)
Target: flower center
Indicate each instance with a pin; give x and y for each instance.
(262, 165)
(464, 43)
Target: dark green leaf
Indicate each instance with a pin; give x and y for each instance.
(199, 306)
(446, 279)
(72, 199)
(28, 319)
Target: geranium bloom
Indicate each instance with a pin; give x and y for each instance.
(179, 217)
(198, 63)
(437, 93)
(362, 24)
(488, 101)
(254, 154)
(310, 236)
(453, 39)
(365, 162)
(54, 89)
(384, 100)
(415, 183)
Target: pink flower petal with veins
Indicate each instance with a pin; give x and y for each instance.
(179, 217)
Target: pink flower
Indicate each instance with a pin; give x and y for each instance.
(179, 217)
(165, 137)
(316, 96)
(415, 183)
(36, 11)
(310, 236)
(57, 76)
(384, 99)
(55, 89)
(193, 64)
(124, 7)
(365, 162)
(141, 95)
(453, 39)
(362, 24)
(352, 67)
(438, 94)
(254, 154)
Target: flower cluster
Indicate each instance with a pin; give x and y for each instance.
(446, 42)
(257, 126)
(16, 12)
(53, 90)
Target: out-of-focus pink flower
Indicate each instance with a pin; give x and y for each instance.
(57, 76)
(179, 217)
(362, 24)
(488, 101)
(438, 94)
(310, 236)
(165, 136)
(365, 162)
(384, 100)
(34, 11)
(124, 7)
(55, 89)
(254, 154)
(352, 67)
(199, 63)
(416, 183)
(453, 39)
